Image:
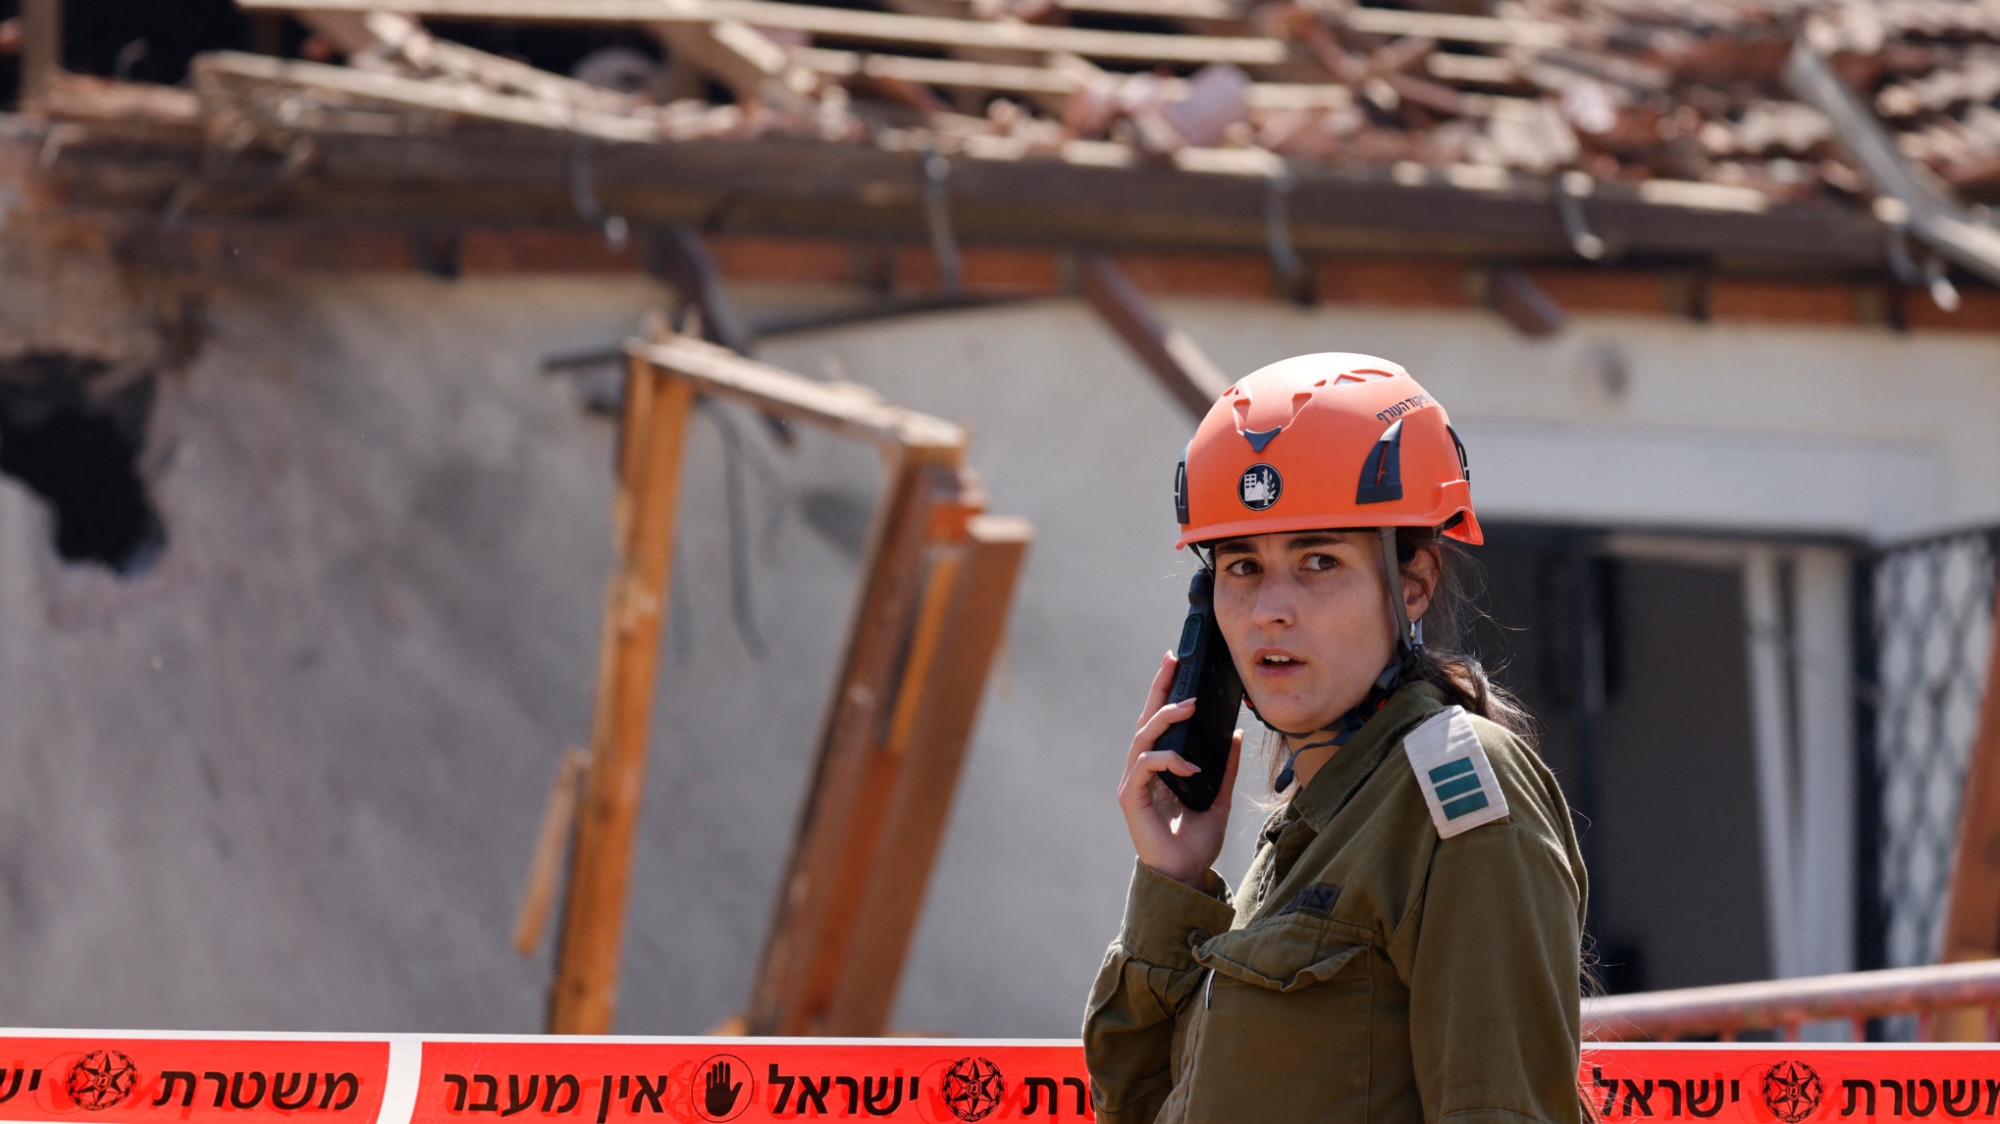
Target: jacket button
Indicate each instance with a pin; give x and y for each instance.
(1197, 937)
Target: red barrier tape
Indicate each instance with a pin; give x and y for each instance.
(199, 1080)
(128, 1078)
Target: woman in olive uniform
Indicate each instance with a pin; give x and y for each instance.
(1404, 945)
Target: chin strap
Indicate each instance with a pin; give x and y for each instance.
(1409, 634)
(1344, 727)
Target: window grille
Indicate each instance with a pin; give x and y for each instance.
(1931, 610)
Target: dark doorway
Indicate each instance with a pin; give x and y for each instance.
(1637, 671)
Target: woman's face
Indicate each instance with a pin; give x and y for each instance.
(1307, 620)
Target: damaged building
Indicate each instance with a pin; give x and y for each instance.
(313, 331)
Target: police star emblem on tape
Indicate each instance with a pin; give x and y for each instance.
(102, 1079)
(973, 1088)
(1792, 1090)
(1457, 780)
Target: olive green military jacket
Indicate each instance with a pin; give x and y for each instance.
(1384, 963)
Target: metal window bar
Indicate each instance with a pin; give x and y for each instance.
(1932, 627)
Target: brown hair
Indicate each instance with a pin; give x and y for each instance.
(1444, 663)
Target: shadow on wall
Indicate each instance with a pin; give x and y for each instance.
(71, 430)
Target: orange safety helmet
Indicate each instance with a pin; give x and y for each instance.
(1334, 440)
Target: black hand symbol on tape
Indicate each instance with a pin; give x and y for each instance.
(721, 1095)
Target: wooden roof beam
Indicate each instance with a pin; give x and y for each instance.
(1171, 355)
(752, 66)
(222, 75)
(846, 23)
(1003, 78)
(849, 409)
(1052, 102)
(1211, 11)
(1499, 31)
(404, 42)
(998, 77)
(1911, 198)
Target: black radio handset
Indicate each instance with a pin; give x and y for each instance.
(1204, 673)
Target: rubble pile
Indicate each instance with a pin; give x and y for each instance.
(1620, 90)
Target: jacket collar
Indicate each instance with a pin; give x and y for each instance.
(1337, 780)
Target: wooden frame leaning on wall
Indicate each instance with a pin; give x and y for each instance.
(937, 581)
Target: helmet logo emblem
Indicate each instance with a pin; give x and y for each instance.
(1260, 486)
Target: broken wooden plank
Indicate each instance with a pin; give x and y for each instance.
(1168, 353)
(936, 710)
(1475, 70)
(1215, 11)
(348, 32)
(84, 97)
(1052, 103)
(217, 73)
(1921, 204)
(1092, 195)
(401, 38)
(745, 61)
(1502, 31)
(1054, 80)
(583, 996)
(804, 961)
(998, 77)
(921, 637)
(1271, 97)
(545, 865)
(1524, 304)
(843, 22)
(846, 408)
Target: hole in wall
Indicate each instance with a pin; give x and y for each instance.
(71, 431)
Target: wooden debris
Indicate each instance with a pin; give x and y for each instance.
(1678, 104)
(1168, 353)
(81, 97)
(1919, 202)
(583, 995)
(805, 983)
(545, 867)
(282, 94)
(952, 656)
(846, 408)
(1464, 29)
(936, 590)
(754, 68)
(1179, 10)
(1523, 304)
(400, 41)
(843, 22)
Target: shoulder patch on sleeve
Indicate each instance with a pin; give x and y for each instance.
(1457, 780)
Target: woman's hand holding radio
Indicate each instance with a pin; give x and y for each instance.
(1184, 850)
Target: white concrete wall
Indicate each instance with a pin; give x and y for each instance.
(290, 778)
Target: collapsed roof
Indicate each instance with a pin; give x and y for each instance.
(1788, 134)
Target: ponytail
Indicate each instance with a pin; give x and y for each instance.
(1444, 663)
